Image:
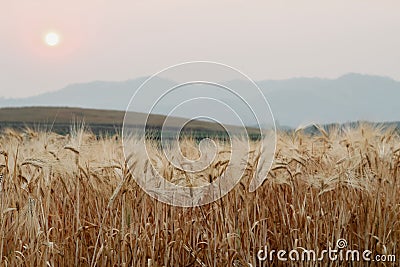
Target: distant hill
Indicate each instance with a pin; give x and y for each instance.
(60, 119)
(352, 97)
(93, 95)
(294, 102)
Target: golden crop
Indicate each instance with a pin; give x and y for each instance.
(71, 201)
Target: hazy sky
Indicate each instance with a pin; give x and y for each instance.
(120, 40)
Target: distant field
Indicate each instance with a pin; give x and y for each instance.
(59, 120)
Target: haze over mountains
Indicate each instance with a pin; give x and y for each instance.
(294, 102)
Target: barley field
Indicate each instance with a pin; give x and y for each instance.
(71, 201)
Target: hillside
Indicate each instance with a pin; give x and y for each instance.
(60, 119)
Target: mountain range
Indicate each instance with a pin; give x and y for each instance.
(294, 102)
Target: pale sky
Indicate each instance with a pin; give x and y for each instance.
(120, 40)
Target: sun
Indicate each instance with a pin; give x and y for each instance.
(52, 39)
